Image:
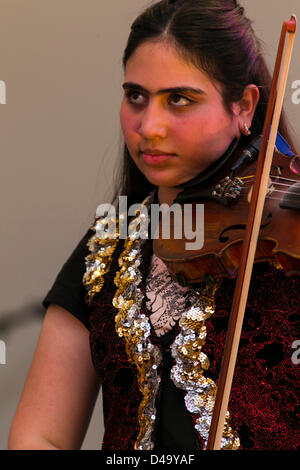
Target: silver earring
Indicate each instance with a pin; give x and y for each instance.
(246, 130)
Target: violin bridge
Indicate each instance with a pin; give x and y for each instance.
(271, 188)
(228, 190)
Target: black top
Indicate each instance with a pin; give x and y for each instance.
(68, 290)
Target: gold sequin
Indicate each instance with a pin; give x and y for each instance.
(191, 363)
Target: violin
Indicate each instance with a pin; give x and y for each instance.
(226, 198)
(260, 222)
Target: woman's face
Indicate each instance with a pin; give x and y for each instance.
(172, 115)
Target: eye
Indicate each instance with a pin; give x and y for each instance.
(135, 97)
(179, 100)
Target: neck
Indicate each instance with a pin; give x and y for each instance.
(167, 195)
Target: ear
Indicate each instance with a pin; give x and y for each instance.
(247, 106)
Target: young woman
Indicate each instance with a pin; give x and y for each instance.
(195, 81)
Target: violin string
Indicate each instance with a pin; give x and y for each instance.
(277, 178)
(284, 192)
(248, 184)
(282, 184)
(281, 178)
(274, 198)
(290, 193)
(269, 197)
(246, 188)
(274, 190)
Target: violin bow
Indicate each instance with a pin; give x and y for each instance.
(259, 193)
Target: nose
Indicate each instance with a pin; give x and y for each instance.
(153, 122)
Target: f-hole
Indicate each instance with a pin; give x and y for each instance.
(223, 238)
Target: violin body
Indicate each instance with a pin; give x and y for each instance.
(225, 222)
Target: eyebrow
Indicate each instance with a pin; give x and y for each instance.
(180, 89)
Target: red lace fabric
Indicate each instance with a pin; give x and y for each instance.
(264, 403)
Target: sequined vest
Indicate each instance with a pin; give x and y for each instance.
(264, 395)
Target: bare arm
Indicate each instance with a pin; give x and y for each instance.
(61, 388)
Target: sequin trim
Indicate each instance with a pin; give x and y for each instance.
(99, 261)
(191, 363)
(135, 328)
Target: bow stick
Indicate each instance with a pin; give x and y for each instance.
(252, 232)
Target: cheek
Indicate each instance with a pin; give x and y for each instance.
(128, 122)
(188, 133)
(195, 136)
(123, 118)
(184, 128)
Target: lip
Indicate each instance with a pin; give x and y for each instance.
(153, 152)
(155, 156)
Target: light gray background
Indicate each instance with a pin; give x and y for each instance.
(60, 140)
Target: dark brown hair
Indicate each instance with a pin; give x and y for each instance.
(215, 36)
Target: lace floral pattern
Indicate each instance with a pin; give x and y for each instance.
(166, 298)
